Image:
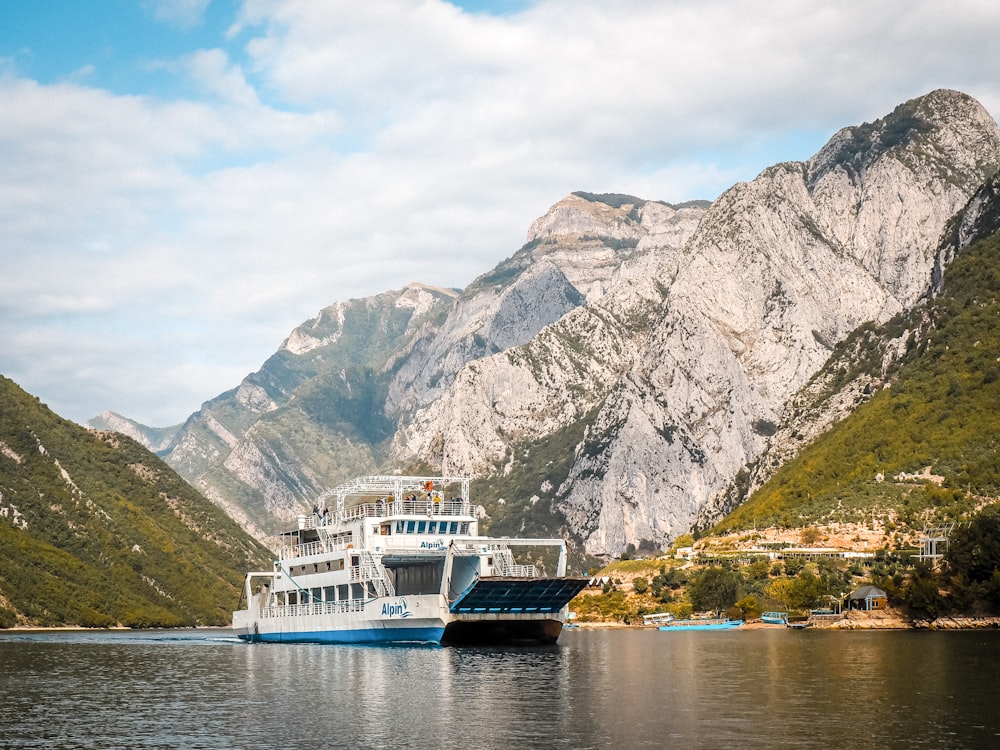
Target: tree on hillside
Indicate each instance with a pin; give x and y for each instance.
(973, 559)
(714, 588)
(922, 593)
(974, 550)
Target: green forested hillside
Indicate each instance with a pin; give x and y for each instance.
(97, 531)
(942, 410)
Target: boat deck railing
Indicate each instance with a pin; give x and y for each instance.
(387, 509)
(312, 548)
(371, 571)
(313, 608)
(504, 565)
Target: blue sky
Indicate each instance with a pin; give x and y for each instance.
(185, 181)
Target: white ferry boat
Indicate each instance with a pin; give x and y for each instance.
(399, 559)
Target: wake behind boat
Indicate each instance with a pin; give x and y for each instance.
(397, 560)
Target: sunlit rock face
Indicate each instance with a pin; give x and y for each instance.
(693, 349)
(674, 337)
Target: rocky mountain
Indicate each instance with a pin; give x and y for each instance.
(899, 429)
(653, 351)
(328, 404)
(690, 363)
(153, 438)
(311, 416)
(97, 531)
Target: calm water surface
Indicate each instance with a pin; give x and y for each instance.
(596, 689)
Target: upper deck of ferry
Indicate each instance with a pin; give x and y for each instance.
(389, 508)
(374, 512)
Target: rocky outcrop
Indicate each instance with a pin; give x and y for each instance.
(692, 362)
(310, 417)
(152, 438)
(675, 338)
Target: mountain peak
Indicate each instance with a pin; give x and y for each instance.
(615, 216)
(641, 354)
(943, 127)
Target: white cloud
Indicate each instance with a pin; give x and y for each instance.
(213, 71)
(156, 250)
(185, 14)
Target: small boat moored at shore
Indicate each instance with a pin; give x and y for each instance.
(706, 623)
(657, 619)
(774, 618)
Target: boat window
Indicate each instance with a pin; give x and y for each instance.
(409, 526)
(400, 525)
(454, 527)
(422, 527)
(432, 527)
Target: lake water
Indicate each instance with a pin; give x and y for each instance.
(620, 689)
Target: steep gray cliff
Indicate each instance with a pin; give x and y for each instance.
(692, 361)
(311, 417)
(326, 406)
(574, 255)
(666, 343)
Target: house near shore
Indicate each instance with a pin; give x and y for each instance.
(867, 598)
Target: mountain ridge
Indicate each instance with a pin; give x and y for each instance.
(96, 531)
(672, 337)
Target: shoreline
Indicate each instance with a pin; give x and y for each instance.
(851, 621)
(112, 628)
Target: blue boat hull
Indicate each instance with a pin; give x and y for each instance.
(366, 635)
(695, 625)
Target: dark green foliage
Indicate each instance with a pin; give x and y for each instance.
(715, 589)
(348, 402)
(615, 243)
(697, 203)
(615, 200)
(899, 126)
(530, 494)
(96, 531)
(507, 271)
(765, 428)
(903, 124)
(806, 590)
(923, 593)
(942, 411)
(974, 548)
